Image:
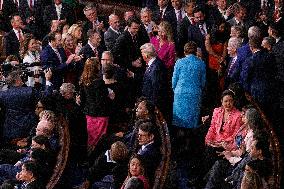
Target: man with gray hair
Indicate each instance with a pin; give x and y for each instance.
(113, 31)
(244, 52)
(233, 44)
(154, 86)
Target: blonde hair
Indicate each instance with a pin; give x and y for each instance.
(166, 26)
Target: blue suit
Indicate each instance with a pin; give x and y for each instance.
(49, 59)
(18, 104)
(188, 81)
(242, 54)
(155, 84)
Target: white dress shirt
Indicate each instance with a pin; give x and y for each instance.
(17, 33)
(178, 12)
(58, 10)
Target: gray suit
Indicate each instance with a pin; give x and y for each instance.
(110, 37)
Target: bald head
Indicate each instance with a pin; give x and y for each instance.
(114, 21)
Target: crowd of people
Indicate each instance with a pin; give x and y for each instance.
(109, 76)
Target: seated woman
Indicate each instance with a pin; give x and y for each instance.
(110, 168)
(29, 175)
(225, 123)
(244, 138)
(136, 168)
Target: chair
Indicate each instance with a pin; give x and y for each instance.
(162, 170)
(274, 180)
(62, 156)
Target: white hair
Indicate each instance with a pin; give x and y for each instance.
(235, 42)
(254, 32)
(149, 50)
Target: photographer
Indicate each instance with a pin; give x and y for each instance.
(18, 105)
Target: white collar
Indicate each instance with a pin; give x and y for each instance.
(17, 31)
(177, 11)
(116, 31)
(55, 49)
(278, 39)
(58, 6)
(92, 47)
(109, 160)
(145, 145)
(163, 10)
(151, 61)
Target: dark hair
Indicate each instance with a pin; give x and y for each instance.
(198, 9)
(254, 119)
(147, 127)
(32, 167)
(134, 183)
(39, 156)
(262, 143)
(13, 77)
(42, 140)
(261, 167)
(229, 93)
(51, 36)
(276, 29)
(108, 71)
(132, 19)
(48, 103)
(91, 32)
(255, 42)
(142, 163)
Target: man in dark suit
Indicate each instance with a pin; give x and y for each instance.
(259, 76)
(31, 13)
(182, 32)
(14, 37)
(93, 21)
(221, 11)
(53, 56)
(149, 148)
(6, 10)
(113, 31)
(155, 78)
(58, 11)
(127, 55)
(165, 12)
(19, 103)
(240, 14)
(93, 47)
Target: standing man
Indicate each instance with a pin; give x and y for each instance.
(113, 31)
(14, 37)
(155, 79)
(53, 56)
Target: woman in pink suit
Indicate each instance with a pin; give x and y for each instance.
(164, 45)
(225, 123)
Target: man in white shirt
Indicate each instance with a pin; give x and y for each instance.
(179, 10)
(113, 31)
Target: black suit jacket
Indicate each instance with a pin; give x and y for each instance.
(12, 44)
(88, 52)
(155, 84)
(50, 14)
(125, 50)
(110, 37)
(182, 35)
(8, 8)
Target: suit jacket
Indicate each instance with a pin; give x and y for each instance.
(155, 84)
(182, 35)
(12, 44)
(49, 59)
(19, 103)
(258, 75)
(51, 14)
(8, 8)
(88, 52)
(87, 25)
(278, 52)
(194, 34)
(246, 24)
(125, 50)
(151, 157)
(110, 37)
(169, 16)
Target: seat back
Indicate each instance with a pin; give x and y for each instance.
(62, 156)
(274, 180)
(162, 170)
